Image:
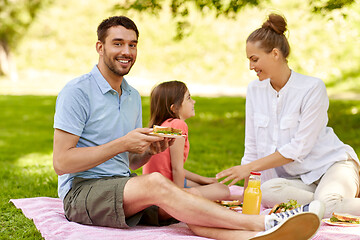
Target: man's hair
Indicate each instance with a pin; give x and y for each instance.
(113, 22)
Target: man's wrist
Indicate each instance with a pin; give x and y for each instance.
(147, 153)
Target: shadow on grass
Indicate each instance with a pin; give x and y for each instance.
(26, 125)
(26, 135)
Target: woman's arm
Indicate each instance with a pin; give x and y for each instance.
(240, 172)
(250, 153)
(177, 161)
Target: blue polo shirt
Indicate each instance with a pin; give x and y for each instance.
(89, 108)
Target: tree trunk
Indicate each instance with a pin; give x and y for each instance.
(7, 65)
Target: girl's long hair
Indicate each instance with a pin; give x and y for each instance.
(162, 97)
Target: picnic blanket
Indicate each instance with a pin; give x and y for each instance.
(48, 216)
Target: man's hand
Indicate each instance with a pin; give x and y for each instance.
(235, 174)
(138, 140)
(158, 147)
(142, 146)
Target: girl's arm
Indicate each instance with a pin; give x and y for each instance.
(177, 161)
(198, 178)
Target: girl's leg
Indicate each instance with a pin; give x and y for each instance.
(338, 188)
(215, 191)
(280, 190)
(190, 183)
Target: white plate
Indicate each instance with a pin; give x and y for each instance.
(166, 135)
(340, 224)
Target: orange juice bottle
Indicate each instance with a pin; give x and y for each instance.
(252, 195)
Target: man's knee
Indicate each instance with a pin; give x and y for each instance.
(159, 184)
(156, 178)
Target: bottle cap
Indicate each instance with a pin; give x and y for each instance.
(255, 173)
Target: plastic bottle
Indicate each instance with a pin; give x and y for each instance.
(252, 195)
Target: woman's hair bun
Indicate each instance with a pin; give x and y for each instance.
(276, 23)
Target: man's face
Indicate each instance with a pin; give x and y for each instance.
(119, 50)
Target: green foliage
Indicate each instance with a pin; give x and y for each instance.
(324, 6)
(16, 16)
(180, 9)
(227, 8)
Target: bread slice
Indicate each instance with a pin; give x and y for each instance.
(166, 130)
(344, 217)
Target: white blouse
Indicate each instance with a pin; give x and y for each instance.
(293, 122)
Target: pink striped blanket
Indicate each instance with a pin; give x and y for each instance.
(48, 216)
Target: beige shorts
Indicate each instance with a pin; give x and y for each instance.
(100, 202)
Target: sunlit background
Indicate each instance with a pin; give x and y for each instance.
(60, 45)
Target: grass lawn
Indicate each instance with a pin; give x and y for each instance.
(216, 136)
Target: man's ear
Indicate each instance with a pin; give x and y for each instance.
(99, 47)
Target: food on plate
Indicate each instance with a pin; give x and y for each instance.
(344, 218)
(166, 130)
(229, 203)
(234, 205)
(282, 207)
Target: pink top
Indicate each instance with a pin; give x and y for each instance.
(161, 162)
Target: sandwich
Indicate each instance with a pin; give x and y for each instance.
(282, 207)
(234, 205)
(166, 130)
(229, 203)
(344, 218)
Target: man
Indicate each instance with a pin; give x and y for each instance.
(98, 138)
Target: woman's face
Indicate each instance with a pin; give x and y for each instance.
(261, 62)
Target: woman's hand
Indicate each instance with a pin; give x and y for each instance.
(235, 174)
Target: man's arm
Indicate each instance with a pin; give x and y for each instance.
(138, 160)
(67, 158)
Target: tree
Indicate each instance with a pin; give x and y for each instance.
(180, 9)
(16, 17)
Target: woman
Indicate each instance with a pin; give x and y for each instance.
(286, 131)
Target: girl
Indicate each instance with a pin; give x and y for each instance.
(286, 131)
(170, 105)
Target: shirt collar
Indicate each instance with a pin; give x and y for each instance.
(104, 85)
(287, 84)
